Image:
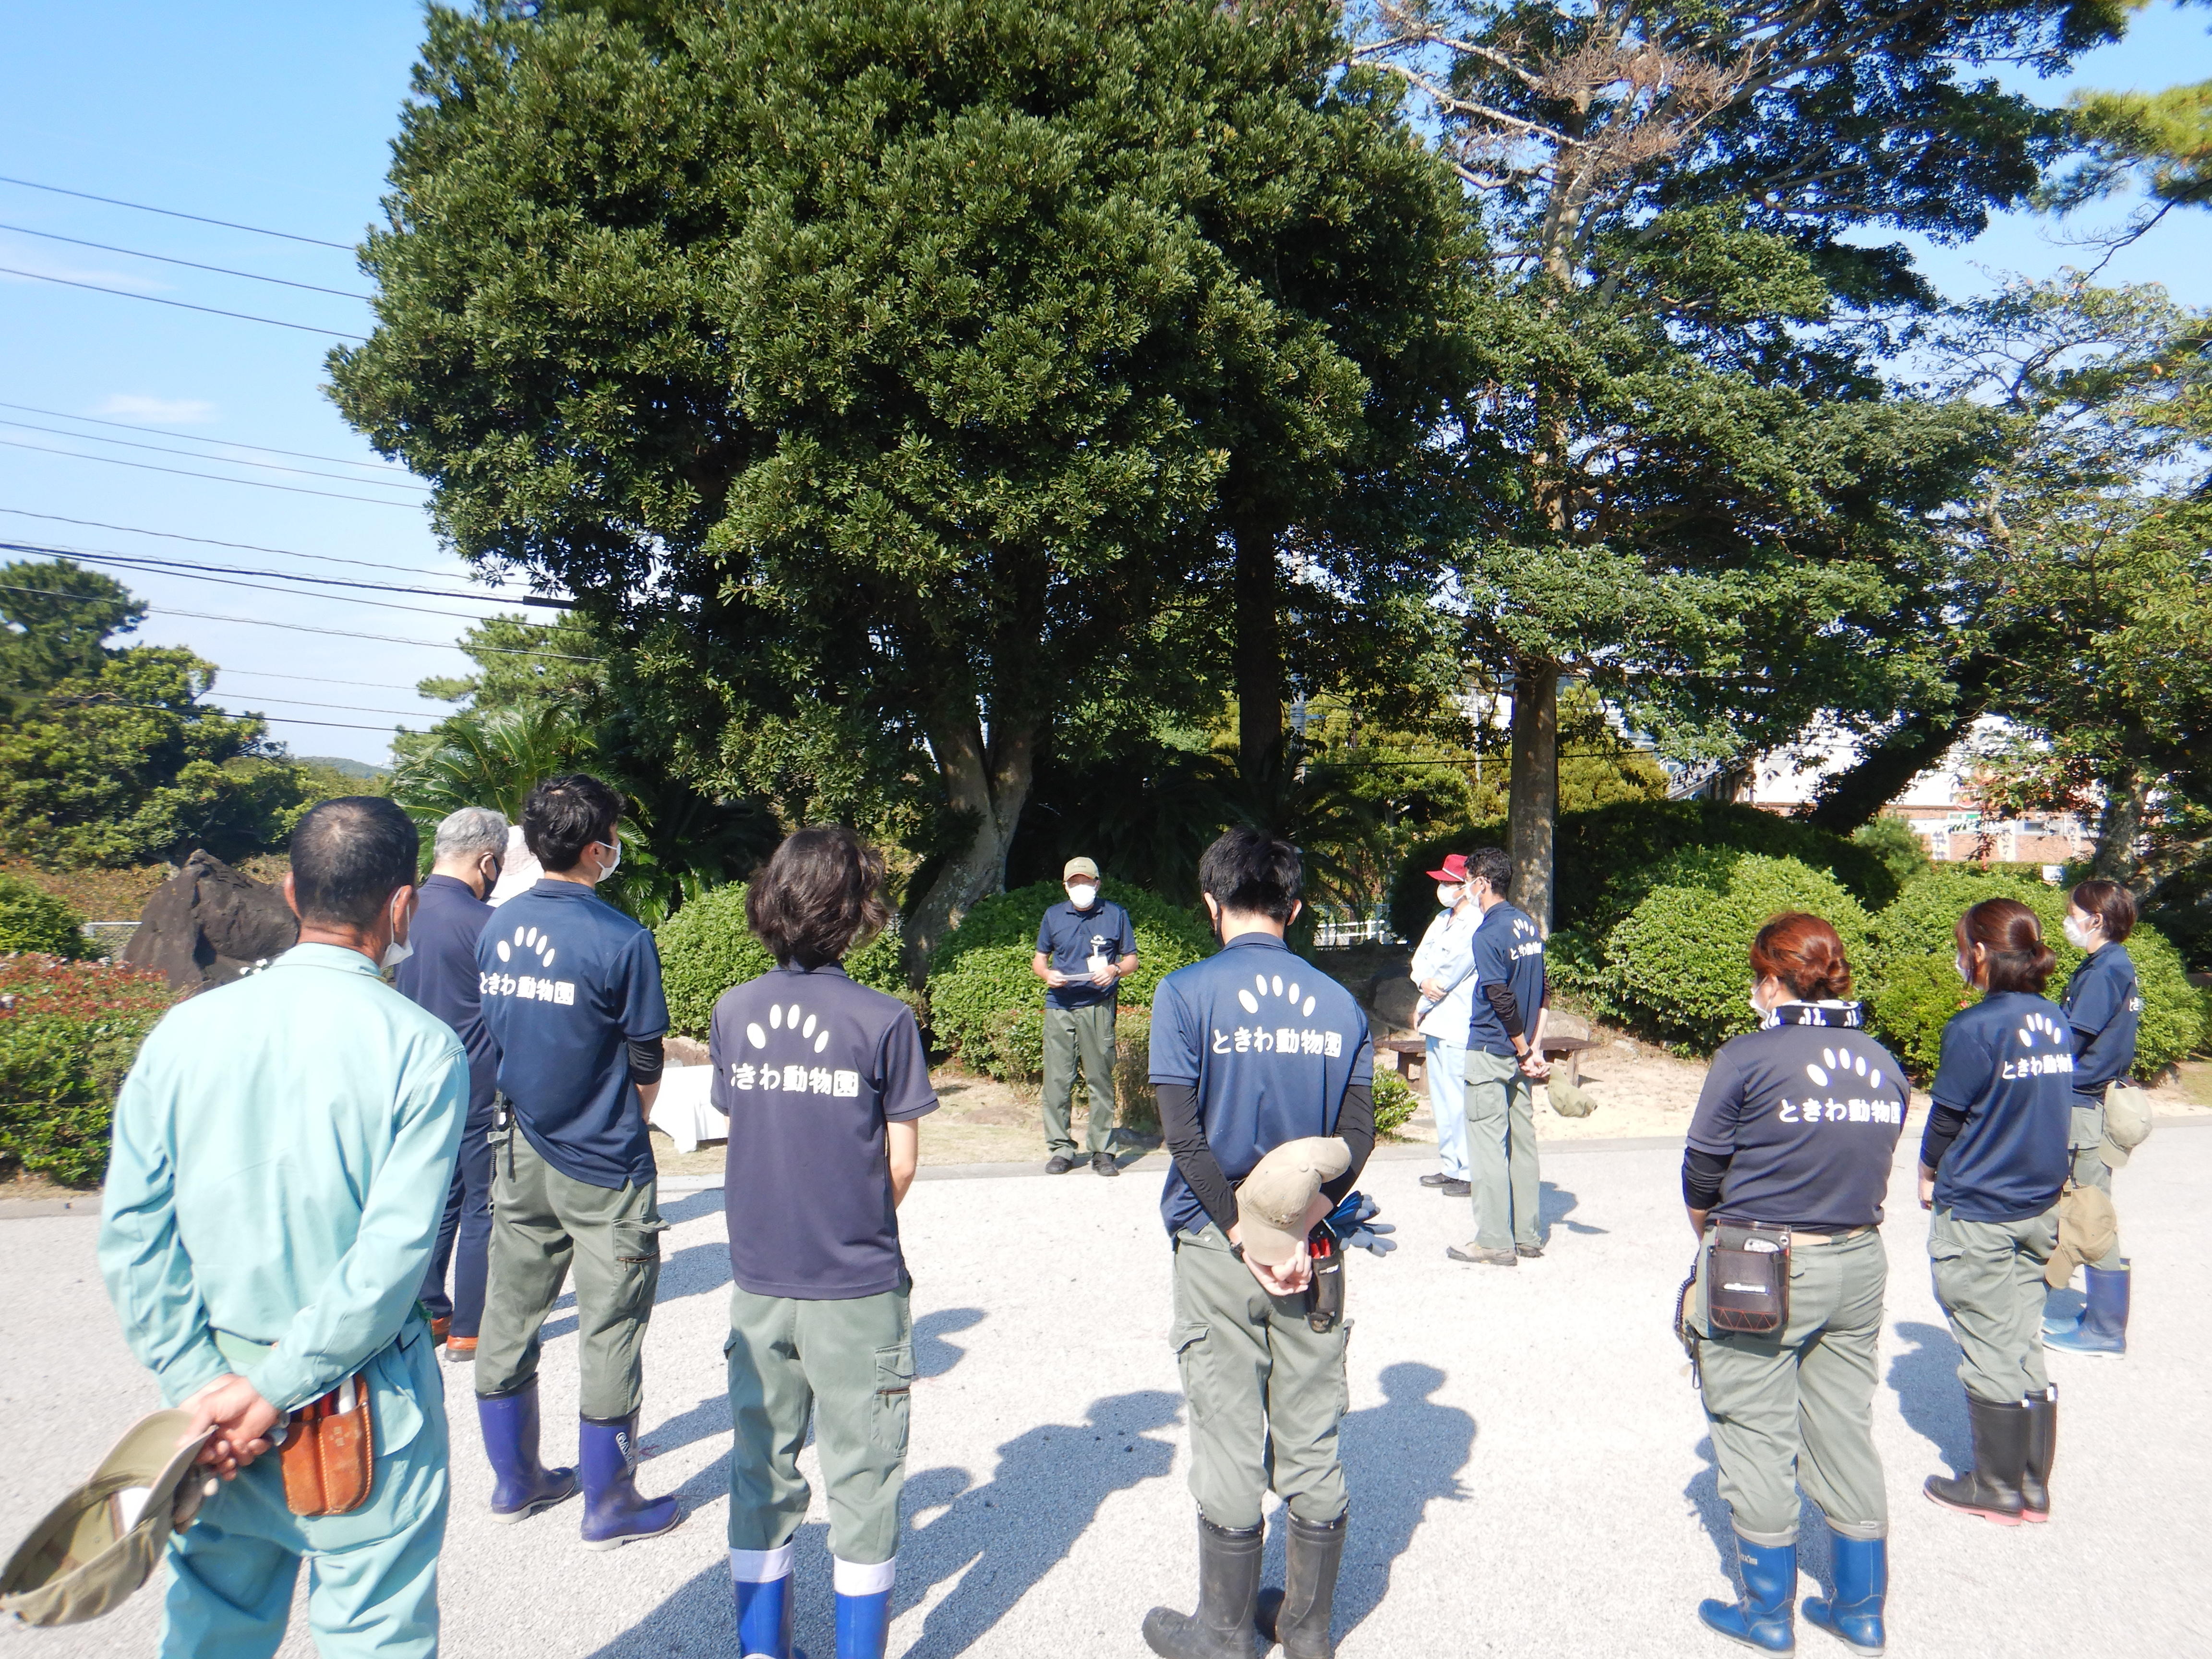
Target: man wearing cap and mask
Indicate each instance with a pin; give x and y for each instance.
(282, 1150)
(1085, 949)
(1263, 1073)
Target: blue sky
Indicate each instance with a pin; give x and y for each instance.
(279, 116)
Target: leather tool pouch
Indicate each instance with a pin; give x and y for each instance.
(1747, 1277)
(1325, 1294)
(329, 1452)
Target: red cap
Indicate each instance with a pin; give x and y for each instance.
(1455, 868)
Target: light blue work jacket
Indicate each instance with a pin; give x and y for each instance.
(283, 1151)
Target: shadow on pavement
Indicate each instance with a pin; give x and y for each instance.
(933, 1355)
(1555, 1203)
(1925, 1379)
(1704, 1492)
(1399, 1457)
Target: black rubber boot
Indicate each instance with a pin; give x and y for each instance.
(1228, 1596)
(1991, 1488)
(2041, 1452)
(1297, 1614)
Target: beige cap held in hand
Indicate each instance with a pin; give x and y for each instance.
(1273, 1200)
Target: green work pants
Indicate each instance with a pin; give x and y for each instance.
(372, 1574)
(1796, 1408)
(2086, 1141)
(1266, 1390)
(1075, 1036)
(542, 1221)
(848, 1366)
(1501, 1152)
(1988, 1277)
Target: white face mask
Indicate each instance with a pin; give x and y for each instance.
(1083, 896)
(1448, 893)
(399, 951)
(614, 863)
(1966, 973)
(2079, 937)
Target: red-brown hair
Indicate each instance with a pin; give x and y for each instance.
(1802, 951)
(2009, 932)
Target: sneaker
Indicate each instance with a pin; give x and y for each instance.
(1060, 1163)
(1104, 1163)
(1435, 1178)
(1475, 1253)
(1529, 1252)
(1456, 1189)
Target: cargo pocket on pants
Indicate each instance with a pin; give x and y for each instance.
(636, 1246)
(894, 1401)
(1188, 1339)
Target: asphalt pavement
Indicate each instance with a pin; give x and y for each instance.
(1529, 1470)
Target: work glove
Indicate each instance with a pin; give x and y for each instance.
(1356, 1228)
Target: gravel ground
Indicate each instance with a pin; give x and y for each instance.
(1529, 1471)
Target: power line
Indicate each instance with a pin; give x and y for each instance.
(262, 587)
(150, 566)
(216, 477)
(202, 709)
(172, 213)
(193, 265)
(311, 679)
(220, 460)
(353, 709)
(303, 628)
(193, 437)
(210, 541)
(182, 305)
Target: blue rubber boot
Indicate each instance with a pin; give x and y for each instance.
(864, 1609)
(1853, 1614)
(613, 1513)
(522, 1485)
(1762, 1619)
(761, 1586)
(2104, 1325)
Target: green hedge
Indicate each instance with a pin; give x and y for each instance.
(985, 1003)
(706, 948)
(1396, 1103)
(1608, 858)
(68, 1032)
(1682, 956)
(32, 919)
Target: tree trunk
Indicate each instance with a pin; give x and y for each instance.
(2119, 829)
(1533, 810)
(1857, 794)
(988, 784)
(1259, 652)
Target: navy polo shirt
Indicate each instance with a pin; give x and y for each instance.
(1807, 1111)
(1269, 1042)
(442, 978)
(2104, 1006)
(1077, 941)
(569, 981)
(1509, 950)
(2008, 1064)
(811, 1067)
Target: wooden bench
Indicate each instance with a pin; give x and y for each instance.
(1567, 1054)
(1408, 1056)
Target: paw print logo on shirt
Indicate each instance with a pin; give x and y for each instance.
(1842, 1063)
(528, 938)
(782, 1018)
(1268, 985)
(1284, 1039)
(2038, 1024)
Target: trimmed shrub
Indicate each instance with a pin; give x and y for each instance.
(1610, 857)
(34, 920)
(68, 1032)
(1680, 958)
(1912, 1002)
(986, 1004)
(1897, 844)
(706, 948)
(1396, 1103)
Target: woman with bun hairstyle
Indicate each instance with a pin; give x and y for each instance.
(1992, 1163)
(1796, 1129)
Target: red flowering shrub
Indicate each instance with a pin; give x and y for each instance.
(68, 1031)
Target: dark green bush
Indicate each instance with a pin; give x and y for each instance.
(68, 1032)
(706, 948)
(1680, 958)
(1609, 857)
(1396, 1103)
(1897, 844)
(32, 919)
(985, 1003)
(1910, 1002)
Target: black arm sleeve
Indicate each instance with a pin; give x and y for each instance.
(646, 1059)
(1507, 1006)
(1185, 1138)
(1944, 1123)
(1701, 1176)
(1355, 1128)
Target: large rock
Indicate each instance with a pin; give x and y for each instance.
(208, 924)
(1392, 1001)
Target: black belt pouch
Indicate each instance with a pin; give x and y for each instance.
(1747, 1277)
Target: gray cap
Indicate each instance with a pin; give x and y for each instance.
(102, 1541)
(1272, 1201)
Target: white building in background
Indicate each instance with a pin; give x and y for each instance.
(1943, 806)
